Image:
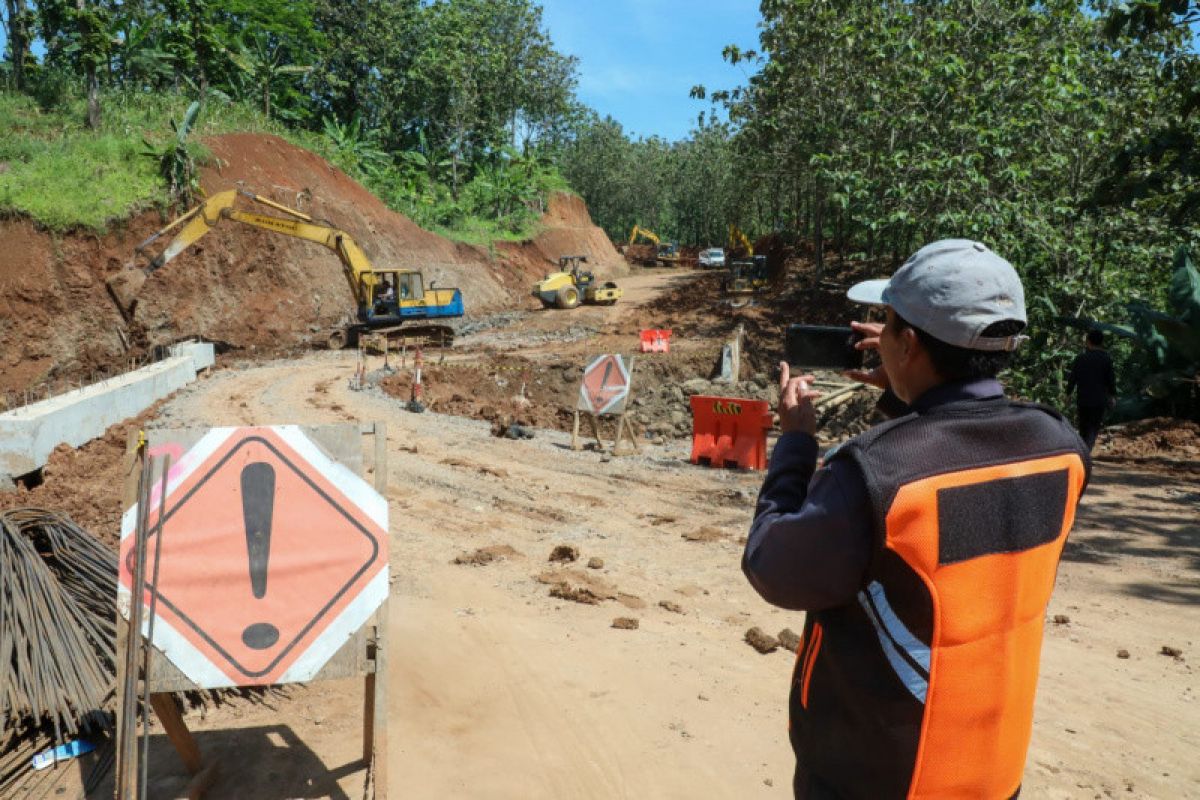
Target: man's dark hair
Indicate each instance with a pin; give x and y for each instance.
(1095, 338)
(954, 363)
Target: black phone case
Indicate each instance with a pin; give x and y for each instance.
(822, 347)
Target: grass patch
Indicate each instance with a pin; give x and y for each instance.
(64, 176)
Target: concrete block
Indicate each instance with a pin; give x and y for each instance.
(203, 354)
(28, 435)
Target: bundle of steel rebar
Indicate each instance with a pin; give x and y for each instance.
(57, 635)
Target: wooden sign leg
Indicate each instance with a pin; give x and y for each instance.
(625, 431)
(575, 432)
(375, 752)
(595, 423)
(167, 711)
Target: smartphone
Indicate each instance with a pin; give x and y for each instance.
(822, 347)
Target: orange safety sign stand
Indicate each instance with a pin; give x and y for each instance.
(604, 390)
(730, 431)
(656, 340)
(262, 560)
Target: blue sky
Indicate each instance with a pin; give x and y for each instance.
(638, 59)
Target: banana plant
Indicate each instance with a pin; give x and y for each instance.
(175, 162)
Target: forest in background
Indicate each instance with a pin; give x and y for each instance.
(448, 110)
(1062, 135)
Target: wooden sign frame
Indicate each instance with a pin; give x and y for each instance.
(365, 653)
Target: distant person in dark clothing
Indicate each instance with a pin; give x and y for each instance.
(1093, 379)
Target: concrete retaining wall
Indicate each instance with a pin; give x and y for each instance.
(28, 435)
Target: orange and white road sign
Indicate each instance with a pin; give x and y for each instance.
(605, 385)
(271, 556)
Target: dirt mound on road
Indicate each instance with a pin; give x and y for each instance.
(1160, 441)
(242, 287)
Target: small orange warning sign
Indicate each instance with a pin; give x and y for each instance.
(605, 385)
(270, 557)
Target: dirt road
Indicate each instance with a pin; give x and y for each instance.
(499, 690)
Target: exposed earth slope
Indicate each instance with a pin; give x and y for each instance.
(247, 288)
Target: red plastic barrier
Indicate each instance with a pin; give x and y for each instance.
(730, 431)
(656, 341)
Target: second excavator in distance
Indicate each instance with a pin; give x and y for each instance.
(389, 301)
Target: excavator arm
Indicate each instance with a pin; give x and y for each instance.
(737, 240)
(640, 231)
(126, 285)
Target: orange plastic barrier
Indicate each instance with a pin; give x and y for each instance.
(656, 341)
(730, 431)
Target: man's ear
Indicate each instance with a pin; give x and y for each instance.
(910, 344)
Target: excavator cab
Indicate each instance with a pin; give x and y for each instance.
(391, 288)
(399, 294)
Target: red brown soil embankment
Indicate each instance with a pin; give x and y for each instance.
(245, 287)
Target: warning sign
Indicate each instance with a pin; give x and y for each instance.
(270, 557)
(605, 386)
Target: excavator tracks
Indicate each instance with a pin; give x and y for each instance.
(396, 336)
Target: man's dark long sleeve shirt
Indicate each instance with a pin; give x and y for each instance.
(1092, 374)
(811, 539)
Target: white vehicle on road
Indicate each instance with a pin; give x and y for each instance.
(712, 258)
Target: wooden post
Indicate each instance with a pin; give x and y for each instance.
(575, 432)
(625, 430)
(375, 684)
(595, 423)
(167, 711)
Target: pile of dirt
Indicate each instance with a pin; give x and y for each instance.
(241, 287)
(566, 230)
(1160, 440)
(643, 254)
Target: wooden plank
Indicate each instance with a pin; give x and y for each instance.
(167, 711)
(381, 467)
(375, 701)
(349, 661)
(380, 681)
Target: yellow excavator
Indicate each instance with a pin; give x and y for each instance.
(667, 254)
(649, 236)
(388, 301)
(573, 285)
(747, 274)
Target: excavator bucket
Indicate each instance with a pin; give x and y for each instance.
(124, 287)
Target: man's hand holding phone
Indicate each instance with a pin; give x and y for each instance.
(796, 412)
(870, 331)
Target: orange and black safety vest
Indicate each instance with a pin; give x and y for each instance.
(923, 687)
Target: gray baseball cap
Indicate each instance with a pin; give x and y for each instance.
(952, 290)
